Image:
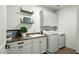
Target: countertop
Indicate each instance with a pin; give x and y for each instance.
(21, 39)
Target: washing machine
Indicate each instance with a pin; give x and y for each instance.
(52, 42)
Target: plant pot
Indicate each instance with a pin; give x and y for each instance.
(23, 35)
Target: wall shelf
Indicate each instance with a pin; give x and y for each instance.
(28, 22)
(25, 11)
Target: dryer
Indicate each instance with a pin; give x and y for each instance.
(62, 40)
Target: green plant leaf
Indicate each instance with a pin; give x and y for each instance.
(23, 29)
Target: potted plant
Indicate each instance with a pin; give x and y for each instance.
(23, 31)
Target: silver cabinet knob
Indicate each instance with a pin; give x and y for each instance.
(21, 46)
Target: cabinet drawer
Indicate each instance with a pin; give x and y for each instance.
(24, 42)
(19, 43)
(10, 45)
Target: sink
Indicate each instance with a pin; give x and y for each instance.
(36, 35)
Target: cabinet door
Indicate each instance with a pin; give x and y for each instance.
(49, 18)
(26, 49)
(43, 44)
(39, 45)
(13, 50)
(36, 46)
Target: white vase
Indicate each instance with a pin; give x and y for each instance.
(23, 35)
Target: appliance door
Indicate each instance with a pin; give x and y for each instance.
(26, 19)
(62, 40)
(53, 43)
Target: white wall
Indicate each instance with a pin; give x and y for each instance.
(13, 18)
(68, 23)
(77, 50)
(2, 28)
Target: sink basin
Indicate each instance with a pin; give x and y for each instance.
(36, 35)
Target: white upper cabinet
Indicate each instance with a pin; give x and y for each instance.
(48, 18)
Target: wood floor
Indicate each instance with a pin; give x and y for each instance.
(66, 51)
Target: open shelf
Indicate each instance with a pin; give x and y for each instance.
(25, 11)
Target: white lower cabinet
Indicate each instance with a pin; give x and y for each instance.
(36, 46)
(13, 50)
(31, 46)
(23, 47)
(39, 45)
(26, 49)
(43, 45)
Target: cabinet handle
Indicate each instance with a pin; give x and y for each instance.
(21, 46)
(20, 43)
